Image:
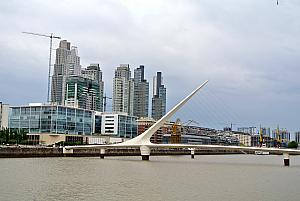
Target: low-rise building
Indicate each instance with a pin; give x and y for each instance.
(282, 135)
(244, 138)
(4, 113)
(119, 125)
(157, 137)
(55, 119)
(50, 124)
(250, 130)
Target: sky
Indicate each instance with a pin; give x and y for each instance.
(248, 50)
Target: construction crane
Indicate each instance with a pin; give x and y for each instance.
(51, 36)
(190, 122)
(176, 132)
(104, 104)
(261, 139)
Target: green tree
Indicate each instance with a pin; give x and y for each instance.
(293, 145)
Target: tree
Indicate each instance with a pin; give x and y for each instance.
(293, 145)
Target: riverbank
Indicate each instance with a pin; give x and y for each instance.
(23, 152)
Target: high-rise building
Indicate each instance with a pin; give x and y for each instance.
(83, 93)
(73, 65)
(141, 93)
(94, 72)
(123, 90)
(159, 97)
(67, 63)
(297, 137)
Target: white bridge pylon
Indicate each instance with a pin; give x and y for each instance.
(143, 141)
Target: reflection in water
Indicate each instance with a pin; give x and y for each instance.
(229, 177)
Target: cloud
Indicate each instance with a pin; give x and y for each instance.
(248, 49)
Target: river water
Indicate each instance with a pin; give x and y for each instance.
(165, 178)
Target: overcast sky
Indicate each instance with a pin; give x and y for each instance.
(249, 50)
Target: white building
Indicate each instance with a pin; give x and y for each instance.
(4, 112)
(249, 130)
(118, 125)
(244, 138)
(123, 90)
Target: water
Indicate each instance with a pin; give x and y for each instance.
(165, 178)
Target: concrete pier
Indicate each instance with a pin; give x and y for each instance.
(102, 153)
(192, 153)
(286, 159)
(145, 152)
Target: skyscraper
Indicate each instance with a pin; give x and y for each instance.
(83, 93)
(67, 63)
(94, 72)
(141, 93)
(159, 97)
(123, 90)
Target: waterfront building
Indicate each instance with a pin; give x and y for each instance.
(119, 125)
(141, 93)
(83, 93)
(146, 122)
(250, 130)
(159, 97)
(283, 135)
(67, 63)
(94, 72)
(123, 90)
(189, 139)
(255, 141)
(4, 112)
(51, 119)
(297, 137)
(244, 138)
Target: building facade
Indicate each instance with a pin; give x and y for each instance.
(297, 137)
(83, 93)
(244, 138)
(67, 63)
(123, 90)
(159, 99)
(141, 93)
(93, 72)
(281, 135)
(157, 137)
(119, 125)
(55, 119)
(250, 130)
(4, 113)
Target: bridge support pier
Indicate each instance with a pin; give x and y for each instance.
(67, 151)
(286, 159)
(145, 152)
(192, 153)
(102, 153)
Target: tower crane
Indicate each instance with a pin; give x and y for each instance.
(176, 132)
(51, 36)
(104, 104)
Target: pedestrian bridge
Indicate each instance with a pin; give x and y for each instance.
(143, 141)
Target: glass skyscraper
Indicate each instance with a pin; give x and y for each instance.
(83, 93)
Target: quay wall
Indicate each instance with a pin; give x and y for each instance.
(23, 152)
